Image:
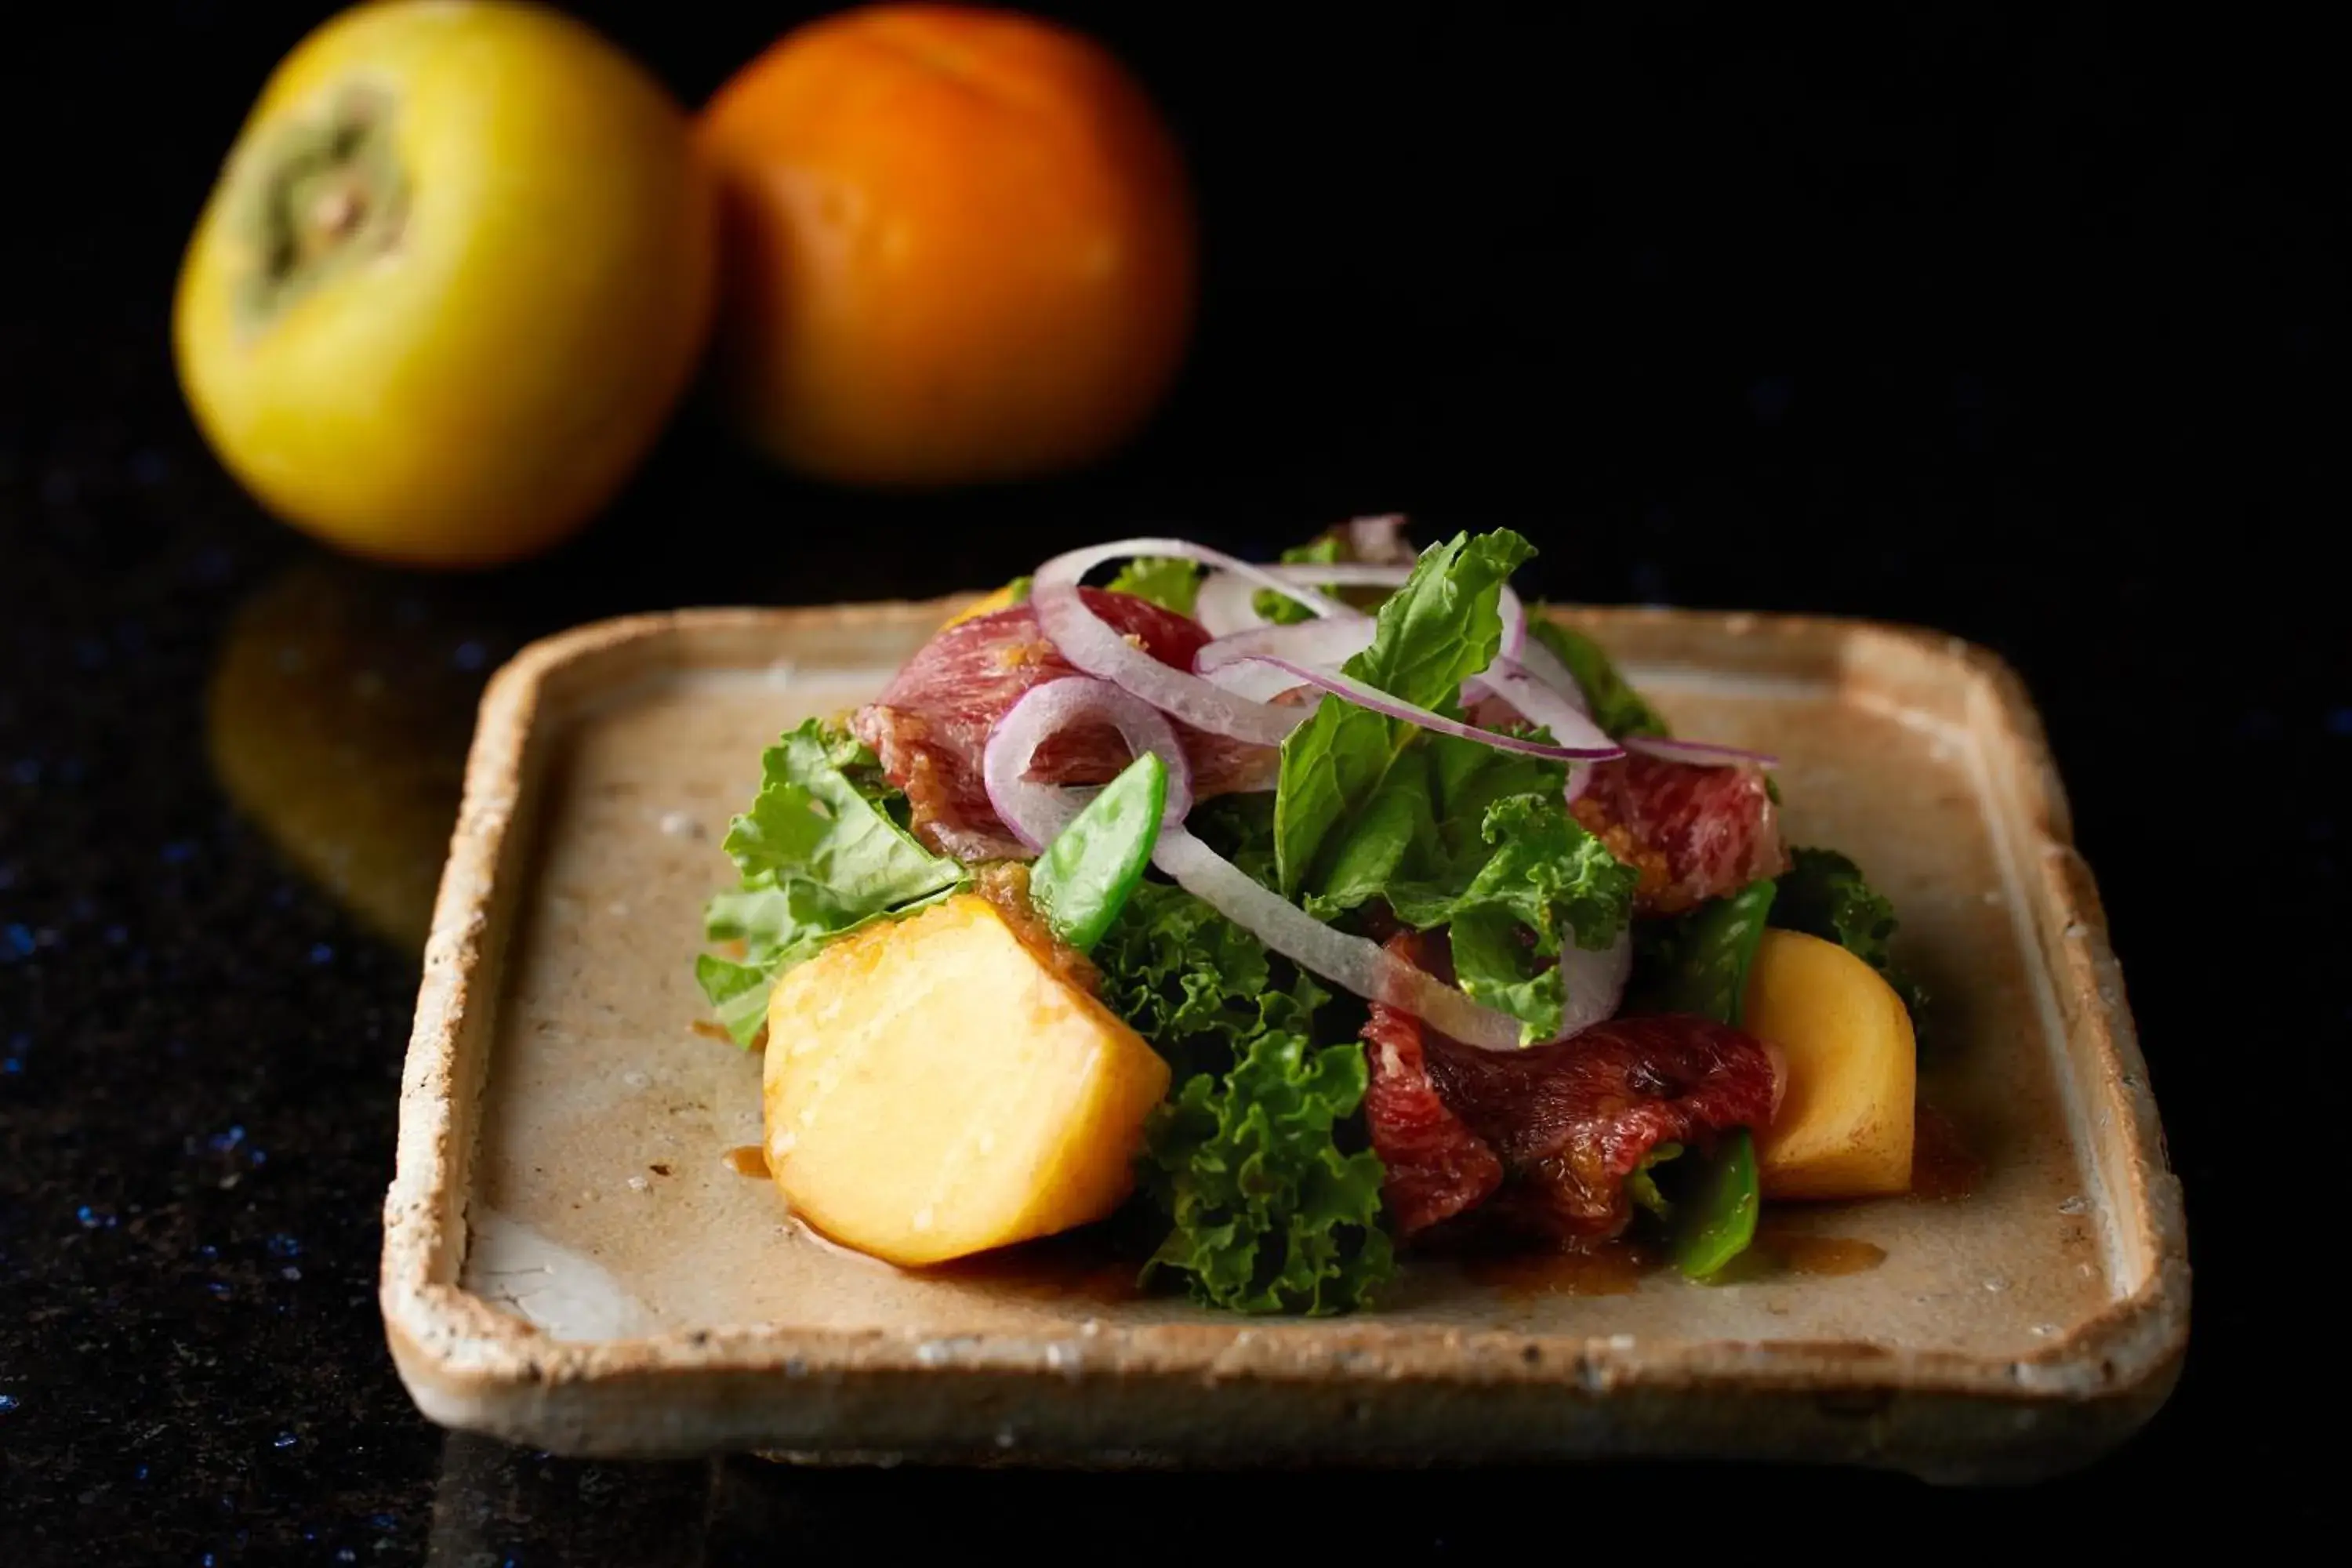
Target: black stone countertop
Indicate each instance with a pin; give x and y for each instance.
(2006, 334)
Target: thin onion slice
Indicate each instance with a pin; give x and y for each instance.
(1037, 812)
(1700, 754)
(1228, 602)
(1360, 965)
(1333, 641)
(1595, 982)
(1091, 643)
(1545, 665)
(1589, 744)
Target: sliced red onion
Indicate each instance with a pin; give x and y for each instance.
(1515, 623)
(1595, 982)
(1545, 665)
(1539, 704)
(1359, 965)
(1592, 982)
(1333, 641)
(1703, 753)
(1258, 682)
(1586, 743)
(1227, 601)
(1037, 812)
(1091, 643)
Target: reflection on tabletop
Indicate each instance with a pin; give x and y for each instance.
(337, 718)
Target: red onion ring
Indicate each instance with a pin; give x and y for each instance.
(1333, 640)
(1227, 601)
(1700, 754)
(1090, 643)
(1595, 982)
(1037, 812)
(1589, 744)
(1545, 665)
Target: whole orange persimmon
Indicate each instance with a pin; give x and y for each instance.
(958, 245)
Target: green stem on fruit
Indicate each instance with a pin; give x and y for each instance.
(319, 196)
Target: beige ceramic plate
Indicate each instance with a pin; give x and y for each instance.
(572, 1261)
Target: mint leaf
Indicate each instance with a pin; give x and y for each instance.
(1697, 962)
(1823, 894)
(1267, 1215)
(1616, 707)
(1434, 633)
(1170, 582)
(820, 854)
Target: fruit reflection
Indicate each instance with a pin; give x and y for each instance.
(338, 718)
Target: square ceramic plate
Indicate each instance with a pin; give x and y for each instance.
(572, 1261)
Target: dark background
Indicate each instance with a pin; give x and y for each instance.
(2024, 327)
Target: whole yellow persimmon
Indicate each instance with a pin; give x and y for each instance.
(957, 247)
(459, 266)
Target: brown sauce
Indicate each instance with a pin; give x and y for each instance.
(710, 1031)
(747, 1160)
(1793, 1252)
(1600, 1269)
(1079, 1267)
(1942, 1165)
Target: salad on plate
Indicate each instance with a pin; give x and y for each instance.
(1299, 916)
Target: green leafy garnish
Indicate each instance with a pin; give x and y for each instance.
(1617, 708)
(1170, 582)
(1196, 985)
(1267, 1211)
(1535, 880)
(1697, 962)
(1269, 1214)
(1086, 875)
(821, 854)
(1823, 894)
(1714, 1210)
(1435, 632)
(1272, 606)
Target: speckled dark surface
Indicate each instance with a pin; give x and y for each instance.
(2005, 329)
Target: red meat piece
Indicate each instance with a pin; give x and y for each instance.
(1693, 833)
(931, 726)
(1551, 1133)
